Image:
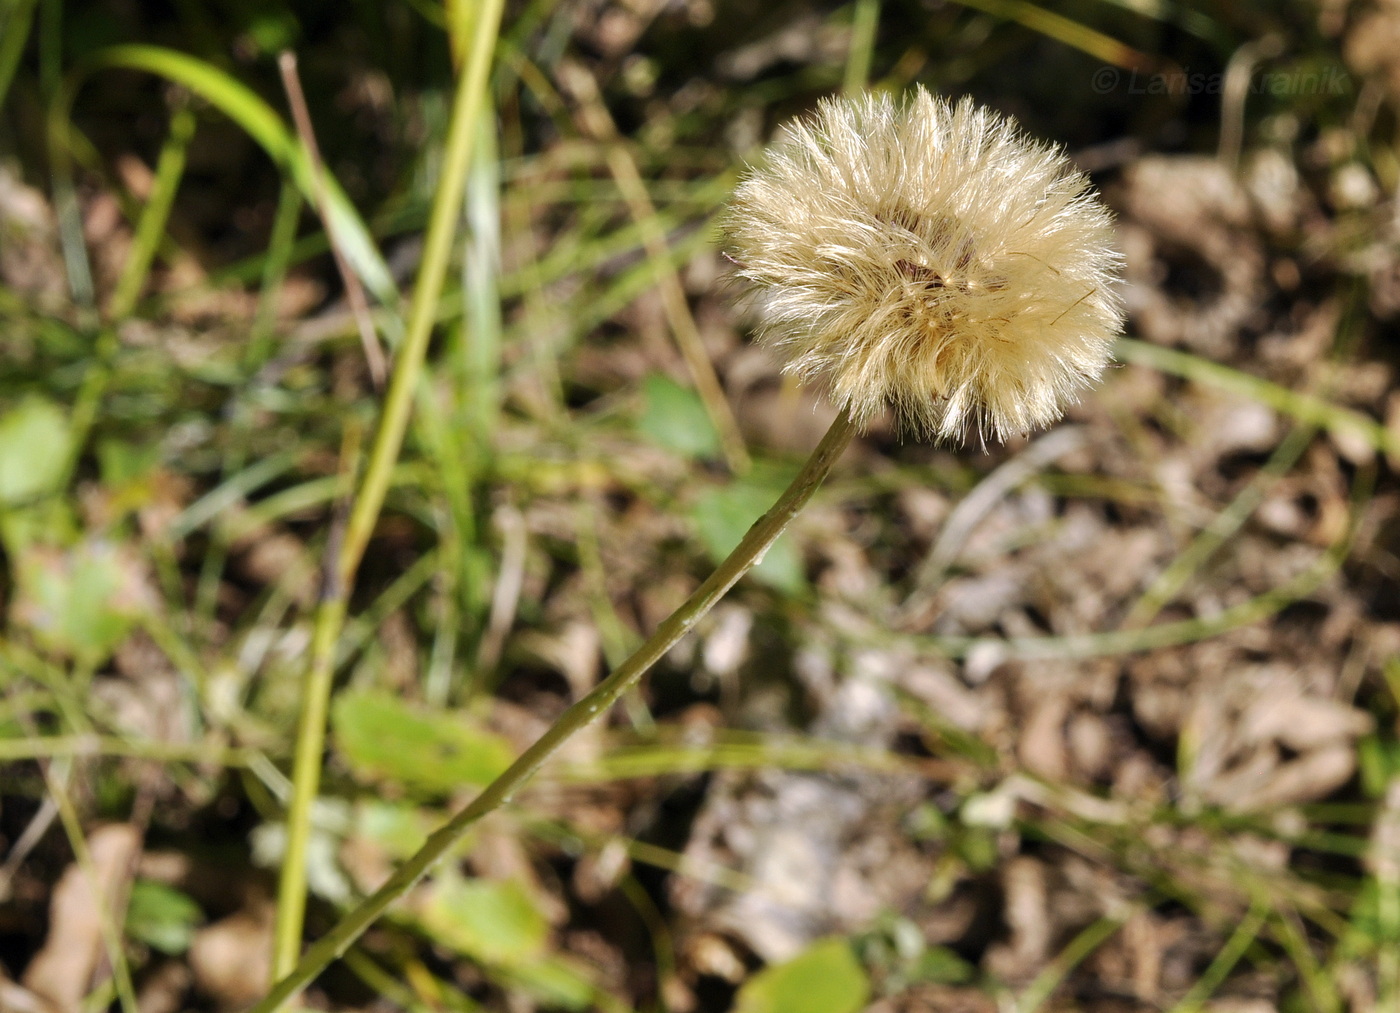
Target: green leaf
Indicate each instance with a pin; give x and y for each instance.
(431, 752)
(674, 417)
(272, 31)
(50, 522)
(1378, 762)
(554, 981)
(940, 964)
(80, 602)
(161, 917)
(825, 978)
(34, 445)
(490, 921)
(398, 828)
(123, 464)
(722, 516)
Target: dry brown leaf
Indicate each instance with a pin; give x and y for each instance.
(232, 958)
(64, 970)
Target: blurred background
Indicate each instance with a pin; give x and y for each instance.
(1102, 720)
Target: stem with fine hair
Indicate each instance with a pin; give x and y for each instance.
(680, 622)
(369, 500)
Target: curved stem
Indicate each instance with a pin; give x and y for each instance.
(764, 532)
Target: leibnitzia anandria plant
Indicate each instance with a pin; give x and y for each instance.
(930, 258)
(915, 256)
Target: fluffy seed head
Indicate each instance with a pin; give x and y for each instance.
(931, 258)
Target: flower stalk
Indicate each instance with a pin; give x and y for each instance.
(598, 701)
(915, 256)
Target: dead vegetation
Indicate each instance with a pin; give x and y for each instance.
(1102, 720)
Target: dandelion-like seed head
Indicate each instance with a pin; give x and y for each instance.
(930, 258)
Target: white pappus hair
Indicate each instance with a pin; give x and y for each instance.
(930, 258)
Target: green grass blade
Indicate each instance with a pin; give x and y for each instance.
(280, 248)
(1200, 25)
(1173, 634)
(1065, 30)
(1343, 422)
(15, 22)
(229, 492)
(865, 20)
(170, 169)
(1222, 526)
(1224, 962)
(1075, 952)
(404, 387)
(240, 104)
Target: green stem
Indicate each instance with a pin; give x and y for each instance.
(443, 229)
(306, 778)
(150, 229)
(15, 22)
(762, 535)
(865, 22)
(369, 500)
(1230, 954)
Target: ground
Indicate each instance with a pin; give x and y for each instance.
(1103, 719)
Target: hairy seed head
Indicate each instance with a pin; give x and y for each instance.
(930, 258)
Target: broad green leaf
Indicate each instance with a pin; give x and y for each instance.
(674, 417)
(161, 917)
(122, 463)
(34, 445)
(722, 516)
(79, 602)
(431, 752)
(51, 522)
(940, 964)
(498, 924)
(399, 828)
(555, 980)
(490, 921)
(825, 978)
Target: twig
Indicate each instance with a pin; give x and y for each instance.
(354, 291)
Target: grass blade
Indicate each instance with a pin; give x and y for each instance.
(369, 500)
(239, 103)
